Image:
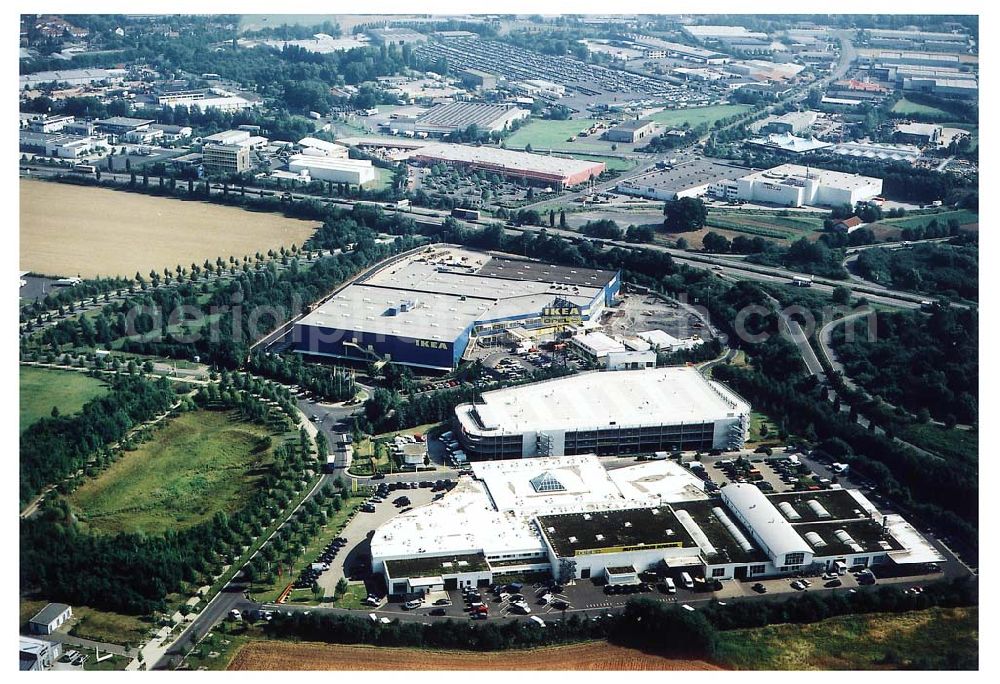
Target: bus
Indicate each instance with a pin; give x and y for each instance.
(88, 169)
(801, 281)
(467, 214)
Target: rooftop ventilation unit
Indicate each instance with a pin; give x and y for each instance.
(696, 532)
(818, 509)
(848, 541)
(814, 540)
(788, 511)
(730, 526)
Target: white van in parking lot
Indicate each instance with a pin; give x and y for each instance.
(669, 584)
(687, 581)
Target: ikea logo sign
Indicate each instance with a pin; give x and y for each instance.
(561, 311)
(431, 344)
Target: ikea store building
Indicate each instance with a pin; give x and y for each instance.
(424, 309)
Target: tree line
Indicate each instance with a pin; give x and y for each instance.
(53, 448)
(133, 573)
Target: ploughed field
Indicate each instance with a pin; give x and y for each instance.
(283, 655)
(70, 230)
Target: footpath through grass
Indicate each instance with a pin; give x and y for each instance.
(41, 388)
(938, 638)
(197, 464)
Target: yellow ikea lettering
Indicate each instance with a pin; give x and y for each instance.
(431, 344)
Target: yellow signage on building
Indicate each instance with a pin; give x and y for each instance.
(561, 315)
(626, 549)
(431, 344)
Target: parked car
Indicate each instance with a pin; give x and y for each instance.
(833, 583)
(759, 588)
(412, 605)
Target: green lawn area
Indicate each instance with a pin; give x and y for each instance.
(964, 216)
(383, 179)
(542, 134)
(904, 106)
(199, 463)
(113, 663)
(613, 163)
(765, 225)
(947, 638)
(352, 598)
(676, 118)
(961, 445)
(114, 628)
(219, 646)
(757, 421)
(41, 389)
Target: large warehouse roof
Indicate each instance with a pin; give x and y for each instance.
(509, 161)
(796, 172)
(461, 115)
(600, 399)
(447, 289)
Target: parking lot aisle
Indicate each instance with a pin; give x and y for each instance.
(357, 532)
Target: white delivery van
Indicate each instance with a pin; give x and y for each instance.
(687, 581)
(671, 587)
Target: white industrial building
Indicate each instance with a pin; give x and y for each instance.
(323, 148)
(793, 185)
(612, 354)
(62, 145)
(625, 412)
(666, 342)
(37, 655)
(353, 171)
(789, 144)
(570, 518)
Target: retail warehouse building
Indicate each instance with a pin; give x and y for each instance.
(569, 517)
(426, 307)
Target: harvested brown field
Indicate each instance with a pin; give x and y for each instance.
(71, 230)
(595, 655)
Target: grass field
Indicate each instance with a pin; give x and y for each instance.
(113, 628)
(73, 230)
(199, 463)
(962, 445)
(763, 225)
(383, 178)
(676, 118)
(613, 163)
(856, 642)
(904, 106)
(542, 134)
(40, 389)
(963, 216)
(599, 656)
(757, 421)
